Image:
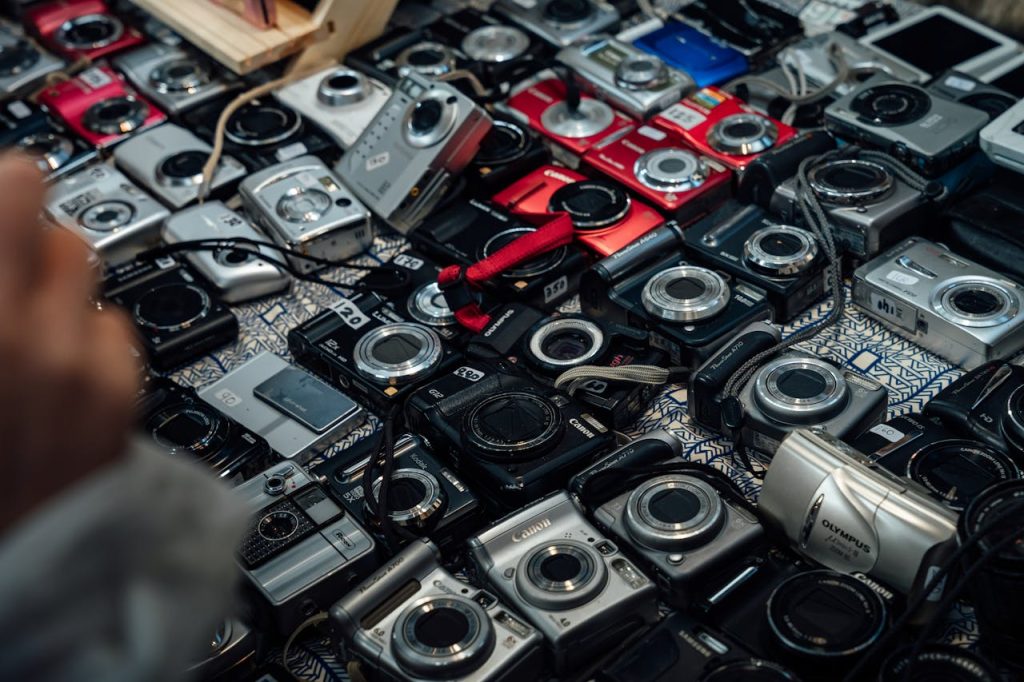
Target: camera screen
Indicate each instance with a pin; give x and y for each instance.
(1012, 82)
(936, 44)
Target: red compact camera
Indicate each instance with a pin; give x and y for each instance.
(542, 103)
(99, 106)
(81, 28)
(723, 127)
(663, 169)
(605, 217)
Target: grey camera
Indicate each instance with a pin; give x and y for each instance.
(22, 62)
(176, 80)
(951, 306)
(168, 160)
(305, 208)
(799, 390)
(574, 585)
(559, 22)
(236, 275)
(635, 81)
(413, 620)
(412, 151)
(115, 217)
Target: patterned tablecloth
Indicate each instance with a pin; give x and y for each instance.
(911, 374)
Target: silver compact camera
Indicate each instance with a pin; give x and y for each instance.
(634, 81)
(559, 22)
(168, 160)
(412, 151)
(299, 414)
(951, 306)
(413, 620)
(305, 208)
(838, 508)
(236, 275)
(816, 57)
(22, 62)
(301, 550)
(573, 584)
(176, 80)
(800, 390)
(340, 100)
(115, 217)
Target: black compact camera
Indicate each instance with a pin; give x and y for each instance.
(508, 151)
(966, 89)
(401, 52)
(178, 315)
(689, 310)
(983, 227)
(751, 245)
(179, 421)
(954, 469)
(514, 436)
(56, 150)
(362, 345)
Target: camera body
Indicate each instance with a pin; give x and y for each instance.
(408, 157)
(706, 60)
(814, 56)
(405, 50)
(56, 151)
(176, 79)
(168, 161)
(575, 585)
(301, 549)
(509, 151)
(560, 22)
(114, 216)
(930, 134)
(1003, 139)
(178, 318)
(723, 127)
(24, 62)
(81, 29)
(605, 217)
(442, 628)
(965, 89)
(951, 306)
(100, 107)
(305, 208)
(752, 245)
(236, 275)
(515, 437)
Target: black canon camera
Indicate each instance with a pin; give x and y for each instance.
(514, 436)
(508, 151)
(177, 313)
(55, 149)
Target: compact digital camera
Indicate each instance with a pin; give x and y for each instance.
(951, 306)
(361, 344)
(1003, 139)
(574, 584)
(560, 22)
(514, 436)
(634, 81)
(22, 62)
(115, 217)
(750, 244)
(305, 208)
(689, 309)
(756, 29)
(301, 550)
(179, 319)
(407, 50)
(176, 79)
(605, 216)
(168, 161)
(81, 29)
(954, 469)
(930, 134)
(236, 274)
(508, 152)
(723, 127)
(965, 89)
(440, 628)
(56, 150)
(706, 60)
(408, 157)
(182, 424)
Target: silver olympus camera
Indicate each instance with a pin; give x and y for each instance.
(799, 390)
(304, 207)
(168, 161)
(299, 414)
(413, 620)
(574, 585)
(301, 550)
(237, 276)
(416, 145)
(559, 22)
(113, 215)
(22, 62)
(634, 81)
(175, 79)
(814, 56)
(953, 307)
(340, 100)
(840, 509)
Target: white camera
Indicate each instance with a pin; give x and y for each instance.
(1003, 139)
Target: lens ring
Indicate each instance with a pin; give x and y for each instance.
(424, 660)
(778, 265)
(560, 592)
(199, 311)
(548, 426)
(193, 75)
(641, 72)
(1013, 424)
(280, 514)
(440, 129)
(342, 87)
(822, 181)
(97, 119)
(304, 205)
(182, 169)
(419, 513)
(428, 306)
(202, 443)
(936, 662)
(289, 123)
(423, 360)
(106, 216)
(904, 103)
(587, 328)
(567, 14)
(607, 204)
(731, 135)
(928, 465)
(535, 267)
(68, 33)
(988, 508)
(659, 301)
(948, 300)
(50, 150)
(445, 63)
(690, 173)
(512, 143)
(750, 670)
(495, 44)
(646, 527)
(771, 396)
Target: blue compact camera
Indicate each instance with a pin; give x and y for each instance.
(708, 61)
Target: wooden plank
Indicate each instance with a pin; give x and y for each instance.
(344, 26)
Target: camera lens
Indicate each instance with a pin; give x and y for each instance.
(233, 257)
(171, 307)
(993, 104)
(192, 427)
(851, 182)
(14, 59)
(670, 170)
(674, 511)
(401, 351)
(825, 615)
(780, 250)
(342, 87)
(179, 76)
(106, 216)
(257, 124)
(426, 58)
(414, 496)
(344, 81)
(513, 425)
(567, 11)
(975, 302)
(891, 104)
(49, 150)
(937, 662)
(428, 305)
(752, 670)
(183, 168)
(958, 471)
(800, 390)
(304, 205)
(442, 638)
(641, 72)
(686, 294)
(561, 567)
(278, 525)
(566, 342)
(504, 143)
(89, 32)
(430, 119)
(743, 135)
(592, 204)
(426, 115)
(567, 345)
(534, 267)
(116, 116)
(442, 628)
(495, 44)
(801, 384)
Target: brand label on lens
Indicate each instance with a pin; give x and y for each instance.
(683, 116)
(94, 78)
(350, 314)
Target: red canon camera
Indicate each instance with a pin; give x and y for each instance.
(81, 28)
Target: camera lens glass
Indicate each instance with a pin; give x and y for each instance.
(851, 182)
(674, 505)
(428, 305)
(414, 496)
(670, 170)
(257, 124)
(278, 525)
(592, 204)
(179, 75)
(780, 250)
(495, 44)
(976, 302)
(50, 151)
(673, 511)
(304, 205)
(532, 268)
(442, 638)
(425, 57)
(442, 628)
(17, 57)
(937, 663)
(561, 568)
(344, 81)
(184, 166)
(90, 31)
(399, 351)
(171, 307)
(800, 390)
(686, 294)
(566, 342)
(891, 104)
(504, 143)
(405, 493)
(233, 257)
(567, 345)
(752, 670)
(743, 135)
(192, 427)
(802, 384)
(426, 115)
(116, 116)
(641, 72)
(512, 425)
(106, 216)
(957, 471)
(342, 87)
(567, 11)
